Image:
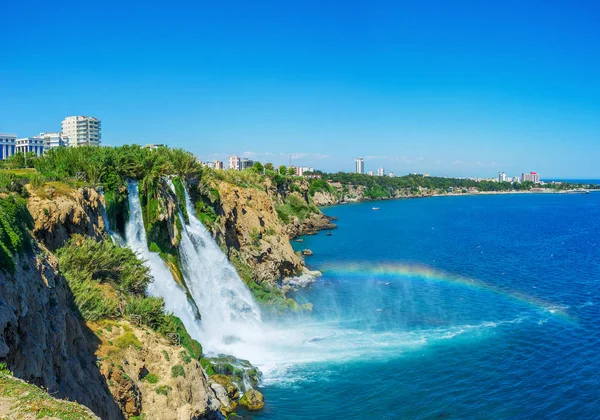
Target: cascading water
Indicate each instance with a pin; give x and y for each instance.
(163, 285)
(230, 317)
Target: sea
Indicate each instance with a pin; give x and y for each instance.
(472, 307)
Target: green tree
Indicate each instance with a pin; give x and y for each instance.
(269, 166)
(291, 170)
(282, 170)
(258, 167)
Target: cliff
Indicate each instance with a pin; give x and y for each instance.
(60, 211)
(42, 339)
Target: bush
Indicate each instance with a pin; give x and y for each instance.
(151, 378)
(185, 357)
(128, 340)
(14, 237)
(163, 389)
(177, 370)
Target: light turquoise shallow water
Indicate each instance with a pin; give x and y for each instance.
(451, 307)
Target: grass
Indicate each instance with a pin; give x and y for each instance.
(31, 400)
(185, 357)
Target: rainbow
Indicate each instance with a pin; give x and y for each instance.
(421, 272)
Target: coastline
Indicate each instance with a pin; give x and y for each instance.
(514, 192)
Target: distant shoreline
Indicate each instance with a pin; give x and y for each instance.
(470, 194)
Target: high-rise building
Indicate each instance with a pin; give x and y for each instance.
(218, 164)
(247, 163)
(391, 175)
(532, 177)
(501, 177)
(35, 144)
(360, 165)
(235, 163)
(371, 173)
(7, 145)
(380, 172)
(82, 131)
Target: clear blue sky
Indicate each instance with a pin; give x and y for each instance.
(445, 87)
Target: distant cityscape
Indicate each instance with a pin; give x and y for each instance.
(86, 131)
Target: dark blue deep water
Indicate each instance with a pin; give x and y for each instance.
(452, 307)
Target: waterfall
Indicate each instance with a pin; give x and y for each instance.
(230, 316)
(164, 285)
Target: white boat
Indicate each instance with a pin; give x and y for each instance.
(375, 208)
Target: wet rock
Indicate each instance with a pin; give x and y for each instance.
(307, 252)
(252, 400)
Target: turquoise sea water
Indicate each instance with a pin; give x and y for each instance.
(451, 307)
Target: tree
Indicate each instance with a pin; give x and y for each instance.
(291, 170)
(282, 170)
(269, 166)
(258, 167)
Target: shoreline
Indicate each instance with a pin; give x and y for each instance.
(469, 194)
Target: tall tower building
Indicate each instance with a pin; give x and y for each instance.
(380, 172)
(82, 131)
(360, 165)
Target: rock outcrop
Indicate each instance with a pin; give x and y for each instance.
(250, 227)
(152, 376)
(60, 211)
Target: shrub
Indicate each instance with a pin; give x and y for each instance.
(151, 378)
(185, 357)
(128, 340)
(177, 370)
(163, 389)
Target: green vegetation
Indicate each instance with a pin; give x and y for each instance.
(163, 389)
(29, 401)
(166, 354)
(14, 237)
(128, 340)
(294, 206)
(383, 187)
(177, 370)
(185, 357)
(151, 378)
(109, 282)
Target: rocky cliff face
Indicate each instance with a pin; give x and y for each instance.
(153, 376)
(59, 213)
(42, 340)
(46, 343)
(250, 228)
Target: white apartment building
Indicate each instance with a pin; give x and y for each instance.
(35, 144)
(52, 140)
(532, 176)
(218, 165)
(7, 145)
(371, 173)
(502, 177)
(391, 175)
(82, 131)
(301, 169)
(235, 163)
(380, 172)
(360, 165)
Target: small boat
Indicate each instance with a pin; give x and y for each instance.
(328, 233)
(375, 208)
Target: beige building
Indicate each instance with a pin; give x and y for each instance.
(82, 131)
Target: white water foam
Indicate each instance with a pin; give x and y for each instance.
(163, 285)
